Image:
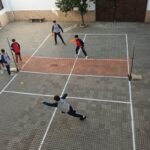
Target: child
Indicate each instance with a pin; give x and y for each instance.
(6, 60)
(1, 64)
(64, 106)
(16, 48)
(56, 29)
(80, 44)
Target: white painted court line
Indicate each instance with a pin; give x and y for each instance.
(82, 59)
(75, 75)
(113, 34)
(53, 115)
(78, 98)
(36, 50)
(8, 83)
(130, 96)
(25, 64)
(100, 100)
(44, 73)
(27, 93)
(70, 28)
(97, 34)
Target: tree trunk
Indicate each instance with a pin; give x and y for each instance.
(82, 19)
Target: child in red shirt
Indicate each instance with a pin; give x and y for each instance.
(80, 44)
(16, 48)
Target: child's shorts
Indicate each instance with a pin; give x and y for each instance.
(1, 62)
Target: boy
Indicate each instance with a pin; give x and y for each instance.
(16, 48)
(6, 60)
(64, 106)
(56, 29)
(80, 44)
(1, 64)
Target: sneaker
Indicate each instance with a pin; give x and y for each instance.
(83, 117)
(86, 57)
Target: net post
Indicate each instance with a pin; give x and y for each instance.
(132, 61)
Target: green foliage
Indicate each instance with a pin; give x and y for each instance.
(64, 5)
(68, 5)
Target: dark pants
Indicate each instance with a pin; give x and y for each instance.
(83, 50)
(73, 113)
(18, 55)
(8, 69)
(55, 37)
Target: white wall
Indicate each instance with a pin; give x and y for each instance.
(33, 5)
(148, 5)
(29, 4)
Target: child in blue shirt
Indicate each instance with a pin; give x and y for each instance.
(5, 60)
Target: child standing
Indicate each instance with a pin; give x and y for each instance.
(64, 106)
(80, 44)
(56, 29)
(16, 48)
(1, 65)
(6, 60)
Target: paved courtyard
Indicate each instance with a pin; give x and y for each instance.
(117, 110)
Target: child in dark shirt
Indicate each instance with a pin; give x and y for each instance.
(16, 48)
(80, 44)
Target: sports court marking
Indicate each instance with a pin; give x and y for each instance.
(36, 50)
(70, 28)
(130, 97)
(130, 93)
(80, 98)
(67, 29)
(122, 34)
(82, 59)
(8, 83)
(107, 67)
(75, 75)
(53, 115)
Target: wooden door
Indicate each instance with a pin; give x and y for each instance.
(105, 10)
(121, 10)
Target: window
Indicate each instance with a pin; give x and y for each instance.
(1, 5)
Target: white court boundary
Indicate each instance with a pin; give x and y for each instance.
(75, 75)
(130, 96)
(78, 98)
(45, 39)
(80, 33)
(83, 59)
(54, 112)
(130, 90)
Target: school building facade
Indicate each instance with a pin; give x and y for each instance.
(102, 10)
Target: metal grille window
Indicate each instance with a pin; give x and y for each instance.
(1, 5)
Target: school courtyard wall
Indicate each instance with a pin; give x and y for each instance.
(18, 10)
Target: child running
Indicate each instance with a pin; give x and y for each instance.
(64, 106)
(57, 29)
(80, 44)
(16, 48)
(6, 60)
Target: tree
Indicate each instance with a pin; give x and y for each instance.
(69, 5)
